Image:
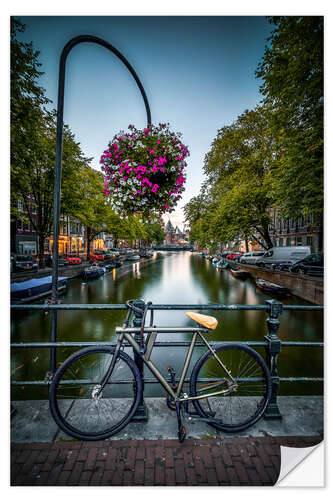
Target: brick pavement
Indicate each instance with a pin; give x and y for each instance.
(196, 462)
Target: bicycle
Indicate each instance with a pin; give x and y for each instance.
(96, 391)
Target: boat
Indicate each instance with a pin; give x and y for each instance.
(110, 266)
(146, 254)
(34, 289)
(240, 274)
(268, 286)
(92, 272)
(133, 257)
(222, 265)
(215, 260)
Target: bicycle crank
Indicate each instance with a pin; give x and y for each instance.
(181, 428)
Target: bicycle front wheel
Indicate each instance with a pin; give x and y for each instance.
(233, 410)
(80, 409)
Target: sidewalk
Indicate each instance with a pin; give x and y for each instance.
(196, 462)
(147, 453)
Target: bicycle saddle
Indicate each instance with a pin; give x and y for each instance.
(206, 321)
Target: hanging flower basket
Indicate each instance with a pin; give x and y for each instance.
(144, 171)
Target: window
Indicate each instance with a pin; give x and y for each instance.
(288, 242)
(20, 205)
(309, 241)
(299, 241)
(19, 224)
(29, 247)
(280, 242)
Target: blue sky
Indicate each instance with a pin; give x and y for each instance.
(198, 74)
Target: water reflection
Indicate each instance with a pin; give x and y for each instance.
(177, 278)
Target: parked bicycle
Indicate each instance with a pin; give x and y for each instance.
(96, 391)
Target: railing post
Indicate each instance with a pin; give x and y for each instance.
(141, 413)
(273, 348)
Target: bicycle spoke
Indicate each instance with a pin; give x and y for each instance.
(241, 404)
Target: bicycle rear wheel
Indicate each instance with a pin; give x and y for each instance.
(78, 408)
(236, 410)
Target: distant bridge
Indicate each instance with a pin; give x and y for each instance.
(173, 248)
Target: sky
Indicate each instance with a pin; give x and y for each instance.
(198, 73)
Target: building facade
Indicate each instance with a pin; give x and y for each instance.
(173, 235)
(24, 239)
(295, 232)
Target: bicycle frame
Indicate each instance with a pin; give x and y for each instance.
(152, 333)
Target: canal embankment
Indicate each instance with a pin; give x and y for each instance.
(70, 272)
(309, 288)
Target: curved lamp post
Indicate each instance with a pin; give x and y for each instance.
(57, 176)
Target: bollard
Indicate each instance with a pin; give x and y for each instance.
(273, 348)
(141, 414)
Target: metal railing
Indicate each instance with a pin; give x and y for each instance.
(272, 343)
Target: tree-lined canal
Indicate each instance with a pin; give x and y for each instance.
(168, 278)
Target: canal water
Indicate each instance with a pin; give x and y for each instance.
(167, 278)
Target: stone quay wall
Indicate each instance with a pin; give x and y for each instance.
(310, 288)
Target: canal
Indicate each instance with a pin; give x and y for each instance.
(167, 278)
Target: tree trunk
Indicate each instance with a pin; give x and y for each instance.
(88, 239)
(41, 250)
(267, 236)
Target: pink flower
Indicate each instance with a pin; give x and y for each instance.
(162, 160)
(155, 188)
(146, 181)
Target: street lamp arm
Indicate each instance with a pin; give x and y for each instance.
(58, 165)
(60, 113)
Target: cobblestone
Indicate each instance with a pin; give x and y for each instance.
(209, 462)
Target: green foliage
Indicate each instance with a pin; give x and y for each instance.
(154, 233)
(292, 76)
(235, 200)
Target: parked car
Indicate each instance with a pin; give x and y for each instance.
(232, 254)
(61, 261)
(312, 264)
(97, 256)
(113, 252)
(24, 263)
(238, 257)
(282, 255)
(251, 257)
(72, 259)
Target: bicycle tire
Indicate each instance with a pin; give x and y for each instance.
(88, 418)
(238, 410)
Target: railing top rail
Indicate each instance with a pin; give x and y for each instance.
(163, 307)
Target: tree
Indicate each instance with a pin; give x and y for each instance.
(154, 234)
(33, 176)
(26, 99)
(292, 85)
(238, 173)
(33, 140)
